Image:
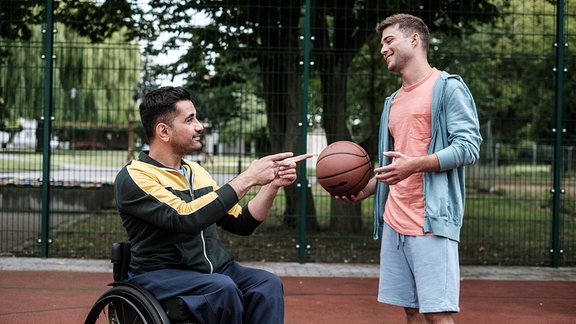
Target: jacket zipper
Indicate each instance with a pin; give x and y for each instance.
(204, 250)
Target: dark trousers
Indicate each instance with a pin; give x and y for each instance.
(236, 294)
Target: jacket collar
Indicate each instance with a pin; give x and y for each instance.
(145, 157)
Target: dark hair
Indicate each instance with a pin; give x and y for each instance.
(159, 105)
(407, 24)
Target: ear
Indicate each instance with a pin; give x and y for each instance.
(414, 39)
(163, 132)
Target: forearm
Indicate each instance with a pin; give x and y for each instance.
(260, 205)
(426, 163)
(241, 184)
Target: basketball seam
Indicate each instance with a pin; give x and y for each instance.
(351, 189)
(337, 174)
(342, 153)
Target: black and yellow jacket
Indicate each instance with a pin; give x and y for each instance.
(170, 224)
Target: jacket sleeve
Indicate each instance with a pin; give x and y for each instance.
(242, 224)
(459, 119)
(138, 194)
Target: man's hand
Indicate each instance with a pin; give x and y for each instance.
(278, 169)
(265, 170)
(362, 194)
(286, 170)
(403, 166)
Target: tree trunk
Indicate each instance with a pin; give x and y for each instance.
(282, 88)
(283, 92)
(344, 217)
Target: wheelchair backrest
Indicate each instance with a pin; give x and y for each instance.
(120, 258)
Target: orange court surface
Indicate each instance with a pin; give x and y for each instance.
(517, 295)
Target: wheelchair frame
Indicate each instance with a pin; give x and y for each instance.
(130, 303)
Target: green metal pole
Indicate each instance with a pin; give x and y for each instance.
(303, 183)
(48, 57)
(559, 130)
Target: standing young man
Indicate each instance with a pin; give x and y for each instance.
(170, 208)
(429, 131)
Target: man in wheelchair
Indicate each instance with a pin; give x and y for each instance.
(170, 208)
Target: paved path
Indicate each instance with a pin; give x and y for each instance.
(290, 269)
(62, 291)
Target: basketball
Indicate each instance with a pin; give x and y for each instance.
(343, 168)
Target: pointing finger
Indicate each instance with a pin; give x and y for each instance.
(299, 158)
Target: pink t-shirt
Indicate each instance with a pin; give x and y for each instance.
(410, 125)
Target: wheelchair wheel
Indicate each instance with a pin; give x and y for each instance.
(126, 304)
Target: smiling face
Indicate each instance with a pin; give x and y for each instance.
(398, 48)
(185, 129)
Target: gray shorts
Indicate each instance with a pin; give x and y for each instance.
(420, 272)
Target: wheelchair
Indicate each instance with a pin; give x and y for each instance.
(130, 303)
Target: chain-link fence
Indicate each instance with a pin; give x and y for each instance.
(280, 76)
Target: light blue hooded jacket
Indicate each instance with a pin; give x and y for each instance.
(455, 140)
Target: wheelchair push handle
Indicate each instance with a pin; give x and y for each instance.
(117, 253)
(120, 258)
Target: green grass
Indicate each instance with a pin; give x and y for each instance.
(508, 220)
(495, 231)
(18, 161)
(504, 231)
(59, 159)
(88, 238)
(525, 171)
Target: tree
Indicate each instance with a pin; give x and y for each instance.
(341, 31)
(270, 32)
(262, 39)
(509, 66)
(85, 68)
(97, 21)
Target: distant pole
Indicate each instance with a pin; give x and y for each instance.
(48, 56)
(73, 98)
(240, 137)
(130, 155)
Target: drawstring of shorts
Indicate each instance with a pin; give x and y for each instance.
(400, 238)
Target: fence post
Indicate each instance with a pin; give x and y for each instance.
(48, 56)
(559, 130)
(302, 245)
